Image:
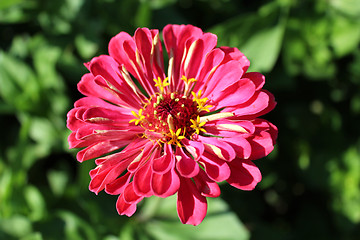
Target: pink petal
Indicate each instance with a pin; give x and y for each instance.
(206, 186)
(241, 146)
(235, 54)
(195, 148)
(257, 78)
(124, 208)
(130, 197)
(163, 163)
(218, 148)
(101, 176)
(117, 186)
(101, 115)
(73, 122)
(98, 149)
(261, 103)
(106, 67)
(165, 185)
(176, 37)
(89, 102)
(88, 87)
(263, 141)
(191, 205)
(225, 75)
(235, 94)
(185, 165)
(244, 174)
(142, 180)
(217, 169)
(211, 62)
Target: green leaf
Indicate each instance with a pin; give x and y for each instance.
(17, 79)
(33, 236)
(86, 47)
(347, 7)
(58, 181)
(345, 182)
(263, 48)
(16, 226)
(35, 202)
(345, 35)
(220, 223)
(75, 227)
(259, 36)
(8, 3)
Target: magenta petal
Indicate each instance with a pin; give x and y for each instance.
(195, 148)
(124, 208)
(244, 174)
(235, 94)
(165, 185)
(206, 186)
(224, 76)
(142, 180)
(185, 165)
(130, 196)
(101, 177)
(211, 62)
(117, 186)
(219, 148)
(191, 205)
(98, 149)
(241, 146)
(73, 123)
(217, 169)
(261, 103)
(235, 54)
(257, 78)
(163, 163)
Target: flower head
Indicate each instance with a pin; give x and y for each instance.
(180, 131)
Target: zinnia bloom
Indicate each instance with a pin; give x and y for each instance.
(180, 131)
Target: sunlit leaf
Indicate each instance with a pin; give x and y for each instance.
(220, 223)
(17, 226)
(35, 202)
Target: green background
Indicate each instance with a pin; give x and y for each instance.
(309, 53)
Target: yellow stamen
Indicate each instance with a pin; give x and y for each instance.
(161, 83)
(201, 102)
(139, 117)
(197, 125)
(188, 81)
(188, 84)
(175, 137)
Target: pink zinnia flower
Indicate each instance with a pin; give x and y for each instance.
(158, 132)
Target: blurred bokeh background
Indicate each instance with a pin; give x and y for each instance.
(309, 53)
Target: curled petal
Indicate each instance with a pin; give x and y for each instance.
(244, 174)
(217, 169)
(206, 186)
(185, 165)
(261, 103)
(130, 197)
(117, 186)
(257, 78)
(195, 148)
(191, 205)
(163, 163)
(165, 185)
(263, 141)
(142, 180)
(219, 148)
(124, 208)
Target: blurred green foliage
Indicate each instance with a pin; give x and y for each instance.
(309, 52)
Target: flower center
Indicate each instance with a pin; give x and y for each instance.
(171, 117)
(170, 111)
